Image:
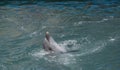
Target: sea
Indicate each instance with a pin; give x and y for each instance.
(88, 29)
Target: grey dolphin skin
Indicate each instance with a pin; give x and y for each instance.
(50, 45)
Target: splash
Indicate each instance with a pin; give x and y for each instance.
(91, 47)
(84, 47)
(70, 45)
(40, 54)
(70, 58)
(64, 59)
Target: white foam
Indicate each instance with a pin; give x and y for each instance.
(65, 43)
(33, 34)
(43, 27)
(72, 43)
(69, 58)
(64, 59)
(40, 54)
(112, 39)
(78, 23)
(94, 48)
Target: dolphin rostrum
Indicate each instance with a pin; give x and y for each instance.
(50, 45)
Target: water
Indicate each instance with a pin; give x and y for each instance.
(91, 29)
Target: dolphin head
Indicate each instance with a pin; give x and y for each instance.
(49, 44)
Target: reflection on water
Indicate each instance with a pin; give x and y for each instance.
(90, 31)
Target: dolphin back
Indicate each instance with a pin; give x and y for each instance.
(55, 46)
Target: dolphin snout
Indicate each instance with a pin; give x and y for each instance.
(47, 36)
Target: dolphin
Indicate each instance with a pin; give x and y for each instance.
(50, 45)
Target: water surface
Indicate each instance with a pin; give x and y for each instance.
(91, 29)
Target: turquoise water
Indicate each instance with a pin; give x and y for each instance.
(93, 30)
